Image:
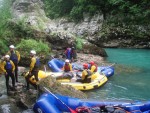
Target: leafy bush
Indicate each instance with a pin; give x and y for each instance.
(3, 47)
(132, 11)
(5, 15)
(27, 45)
(79, 43)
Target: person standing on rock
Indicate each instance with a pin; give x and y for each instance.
(15, 57)
(70, 53)
(34, 67)
(9, 68)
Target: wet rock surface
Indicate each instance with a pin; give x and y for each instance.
(56, 87)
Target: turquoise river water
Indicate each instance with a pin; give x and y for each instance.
(130, 83)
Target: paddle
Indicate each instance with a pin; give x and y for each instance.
(71, 110)
(108, 67)
(45, 69)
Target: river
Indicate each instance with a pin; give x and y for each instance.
(132, 82)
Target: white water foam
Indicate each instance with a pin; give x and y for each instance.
(5, 108)
(121, 87)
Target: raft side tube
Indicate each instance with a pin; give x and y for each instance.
(56, 65)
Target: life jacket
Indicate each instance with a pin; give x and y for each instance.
(86, 76)
(96, 68)
(8, 65)
(37, 64)
(14, 57)
(90, 66)
(68, 53)
(67, 67)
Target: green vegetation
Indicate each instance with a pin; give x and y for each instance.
(132, 12)
(14, 33)
(27, 45)
(3, 47)
(5, 15)
(79, 43)
(122, 17)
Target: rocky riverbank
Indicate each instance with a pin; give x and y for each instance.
(22, 100)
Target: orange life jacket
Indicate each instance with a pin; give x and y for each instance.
(67, 67)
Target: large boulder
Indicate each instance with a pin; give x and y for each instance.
(92, 49)
(56, 87)
(29, 16)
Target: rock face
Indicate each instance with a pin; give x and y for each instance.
(63, 31)
(60, 32)
(123, 36)
(30, 13)
(88, 27)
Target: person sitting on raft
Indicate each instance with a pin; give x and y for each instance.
(67, 68)
(86, 75)
(93, 66)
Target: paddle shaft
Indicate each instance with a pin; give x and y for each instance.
(45, 69)
(57, 98)
(108, 67)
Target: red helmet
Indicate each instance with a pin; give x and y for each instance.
(92, 62)
(85, 66)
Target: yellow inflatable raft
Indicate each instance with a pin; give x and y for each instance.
(97, 81)
(42, 74)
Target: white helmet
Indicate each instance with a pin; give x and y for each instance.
(12, 46)
(67, 60)
(33, 52)
(7, 56)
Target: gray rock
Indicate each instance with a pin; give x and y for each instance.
(31, 13)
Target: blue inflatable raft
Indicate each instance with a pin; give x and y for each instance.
(48, 103)
(56, 66)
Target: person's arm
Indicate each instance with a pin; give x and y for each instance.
(13, 66)
(18, 55)
(70, 67)
(3, 67)
(32, 64)
(92, 69)
(84, 73)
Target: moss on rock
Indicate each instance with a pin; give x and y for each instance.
(56, 87)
